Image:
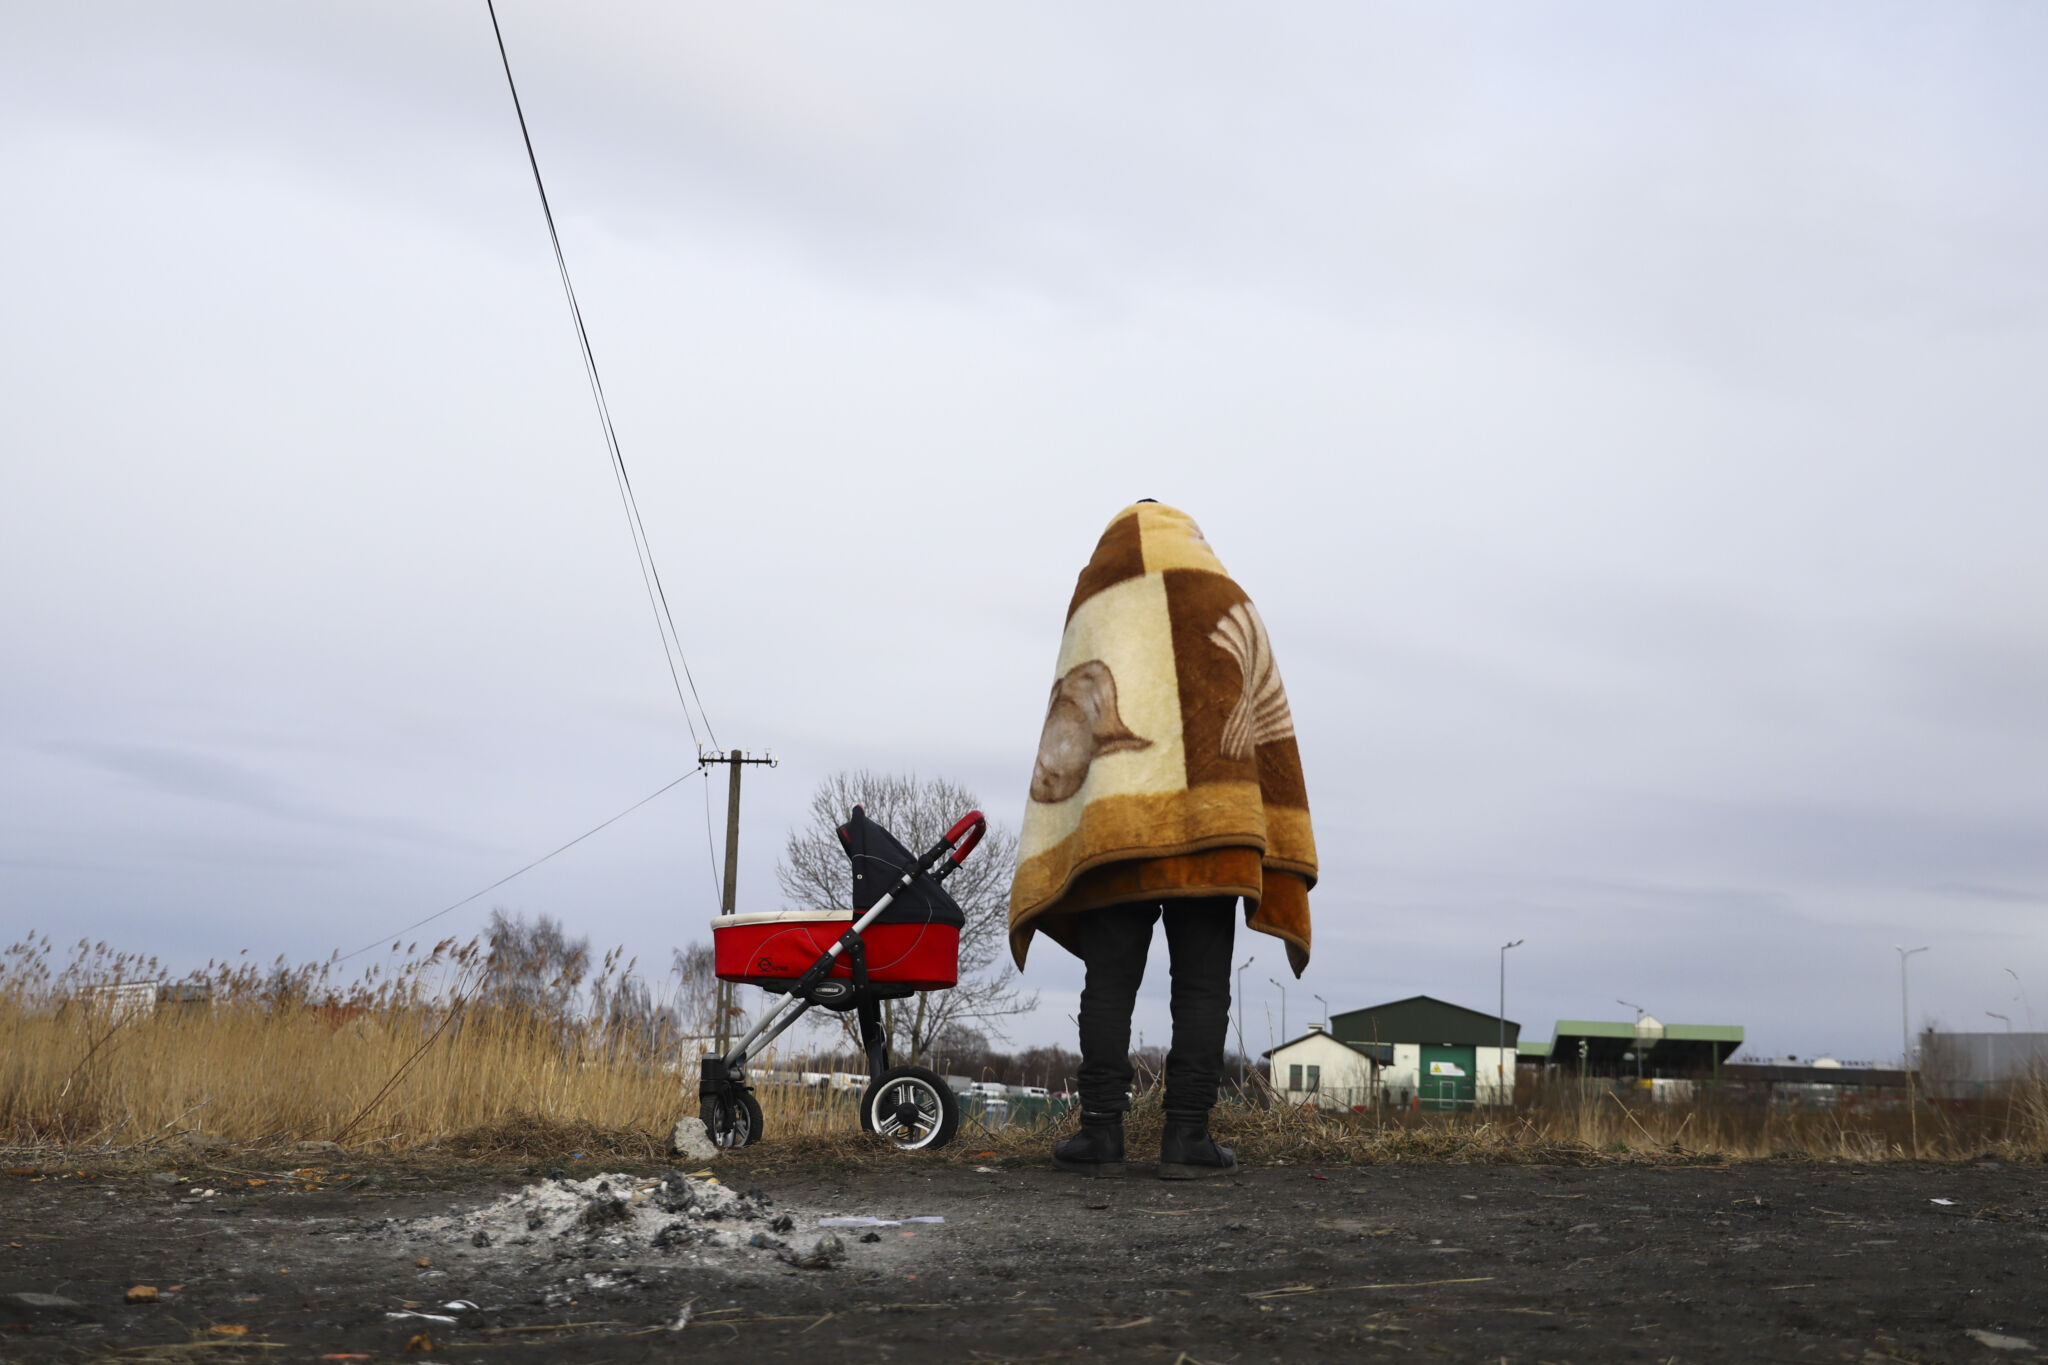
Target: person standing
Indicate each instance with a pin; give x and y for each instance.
(1167, 787)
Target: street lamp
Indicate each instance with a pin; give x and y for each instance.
(1242, 1061)
(1501, 1053)
(1283, 1010)
(1640, 1012)
(1326, 1012)
(1905, 1044)
(1996, 1015)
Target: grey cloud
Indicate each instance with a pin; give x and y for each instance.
(199, 776)
(183, 774)
(2003, 894)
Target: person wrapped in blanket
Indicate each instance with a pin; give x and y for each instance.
(1168, 787)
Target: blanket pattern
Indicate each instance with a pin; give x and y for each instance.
(1168, 765)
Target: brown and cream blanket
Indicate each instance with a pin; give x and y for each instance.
(1168, 766)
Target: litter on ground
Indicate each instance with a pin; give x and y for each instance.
(1998, 1341)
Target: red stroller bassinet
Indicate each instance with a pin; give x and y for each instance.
(901, 936)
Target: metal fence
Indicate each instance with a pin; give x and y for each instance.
(996, 1113)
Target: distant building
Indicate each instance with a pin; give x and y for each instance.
(1960, 1066)
(1618, 1048)
(188, 997)
(121, 1001)
(1821, 1083)
(1444, 1057)
(1317, 1071)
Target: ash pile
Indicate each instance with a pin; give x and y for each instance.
(630, 1216)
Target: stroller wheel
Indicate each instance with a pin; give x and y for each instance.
(912, 1107)
(732, 1119)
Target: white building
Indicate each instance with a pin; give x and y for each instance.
(1440, 1057)
(1318, 1071)
(1422, 1078)
(121, 1001)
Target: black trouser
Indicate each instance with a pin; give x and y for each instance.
(1114, 940)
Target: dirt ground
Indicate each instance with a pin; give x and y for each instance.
(1778, 1261)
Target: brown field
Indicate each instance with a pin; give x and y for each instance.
(253, 1163)
(407, 1061)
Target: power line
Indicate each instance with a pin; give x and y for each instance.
(643, 549)
(400, 933)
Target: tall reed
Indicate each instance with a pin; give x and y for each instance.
(412, 1054)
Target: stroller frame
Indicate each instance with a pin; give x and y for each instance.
(732, 1116)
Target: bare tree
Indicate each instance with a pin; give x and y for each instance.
(623, 1009)
(815, 875)
(695, 970)
(533, 966)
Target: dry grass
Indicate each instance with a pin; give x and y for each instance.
(394, 1081)
(1580, 1128)
(408, 1065)
(397, 1060)
(1553, 1134)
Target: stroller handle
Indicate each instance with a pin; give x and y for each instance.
(973, 825)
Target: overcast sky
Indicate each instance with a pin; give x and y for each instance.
(1629, 420)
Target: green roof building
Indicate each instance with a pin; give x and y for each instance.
(1442, 1057)
(1611, 1048)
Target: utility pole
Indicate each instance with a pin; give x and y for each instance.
(1906, 1045)
(1991, 1067)
(1242, 1061)
(1905, 1040)
(1501, 1094)
(1640, 1012)
(737, 760)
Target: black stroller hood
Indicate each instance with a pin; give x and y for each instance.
(879, 863)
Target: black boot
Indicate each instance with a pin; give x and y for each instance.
(1098, 1149)
(1187, 1152)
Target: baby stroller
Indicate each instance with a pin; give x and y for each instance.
(902, 936)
